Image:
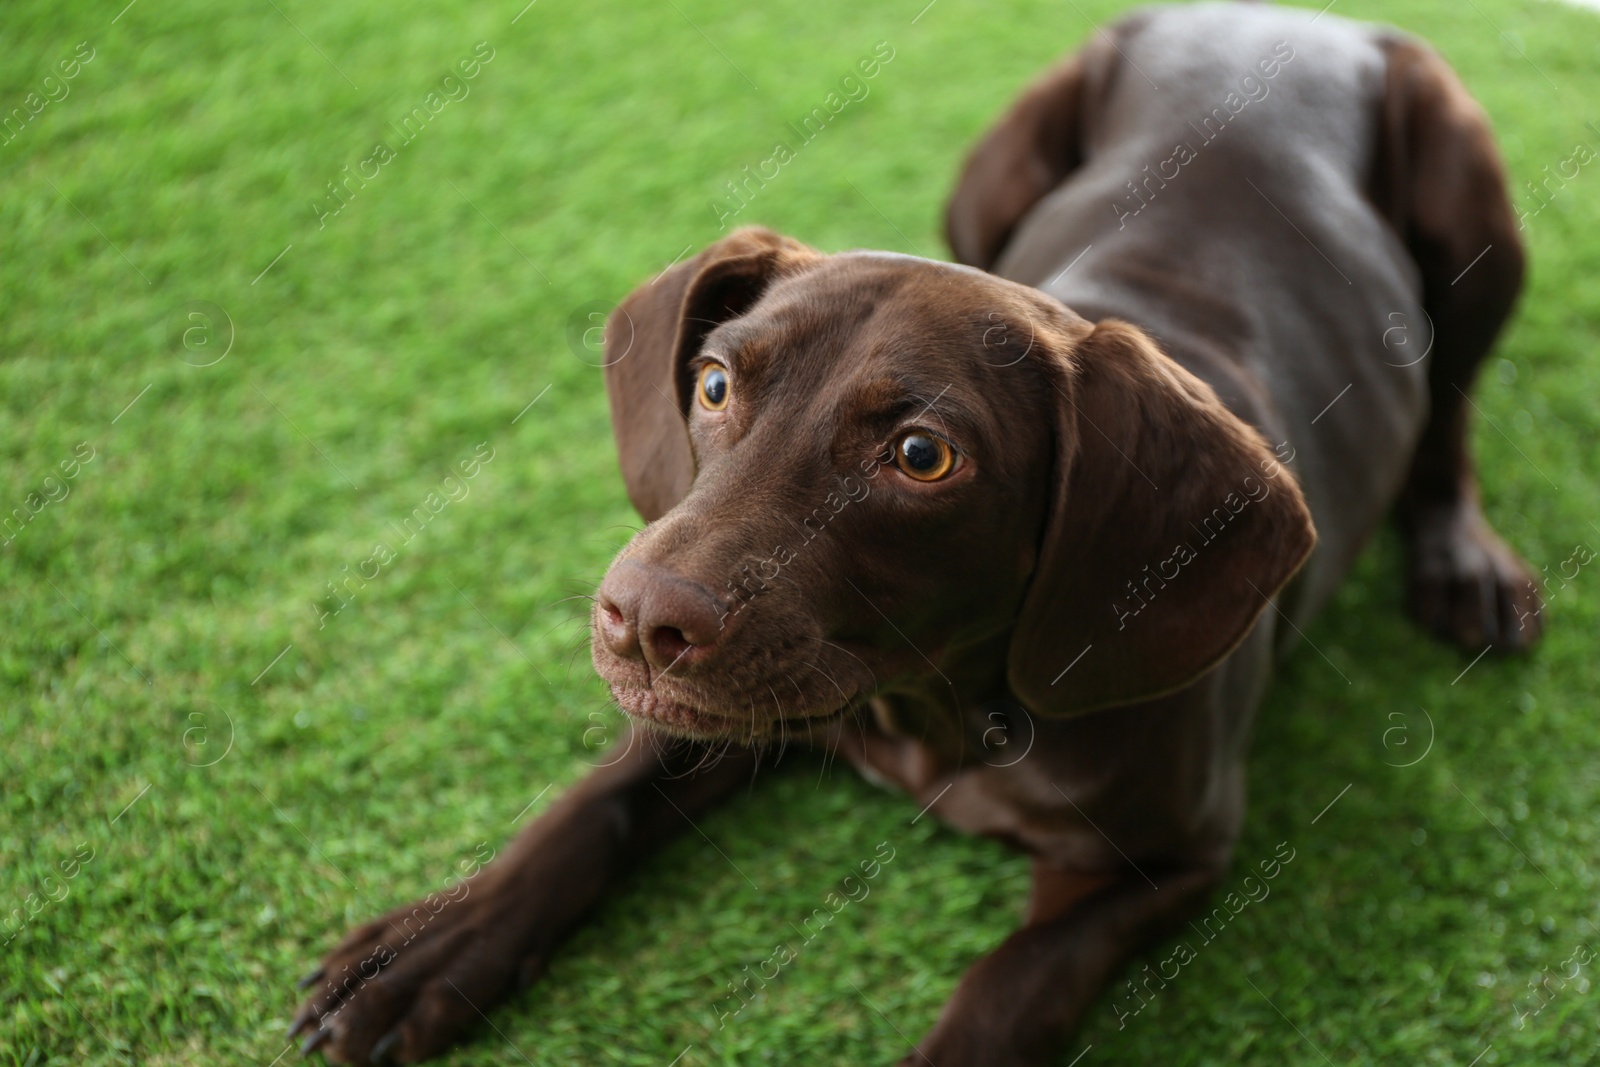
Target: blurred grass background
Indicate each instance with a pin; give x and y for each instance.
(166, 611)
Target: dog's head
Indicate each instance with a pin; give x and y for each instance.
(868, 471)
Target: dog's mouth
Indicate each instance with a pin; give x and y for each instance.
(663, 713)
(653, 709)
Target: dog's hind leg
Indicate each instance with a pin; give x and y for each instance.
(1440, 180)
(1030, 150)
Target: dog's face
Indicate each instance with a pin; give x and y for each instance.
(871, 453)
(857, 470)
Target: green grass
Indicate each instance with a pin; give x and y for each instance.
(381, 748)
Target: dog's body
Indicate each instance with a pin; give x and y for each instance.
(1061, 636)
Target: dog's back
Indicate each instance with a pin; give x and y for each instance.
(1228, 108)
(1222, 202)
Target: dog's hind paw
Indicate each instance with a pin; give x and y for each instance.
(1467, 586)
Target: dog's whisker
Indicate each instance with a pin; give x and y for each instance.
(846, 704)
(710, 756)
(580, 644)
(577, 636)
(870, 672)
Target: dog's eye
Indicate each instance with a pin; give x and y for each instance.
(713, 387)
(924, 455)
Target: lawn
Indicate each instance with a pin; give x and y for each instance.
(222, 387)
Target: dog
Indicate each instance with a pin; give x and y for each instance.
(1225, 278)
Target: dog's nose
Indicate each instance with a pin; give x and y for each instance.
(651, 613)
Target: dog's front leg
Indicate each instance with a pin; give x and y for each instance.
(405, 985)
(1017, 1005)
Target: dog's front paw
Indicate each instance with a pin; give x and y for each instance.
(402, 988)
(1468, 586)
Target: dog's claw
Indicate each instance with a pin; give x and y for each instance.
(301, 1021)
(308, 979)
(386, 1043)
(313, 1042)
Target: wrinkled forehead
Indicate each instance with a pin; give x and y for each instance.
(872, 312)
(869, 338)
(884, 289)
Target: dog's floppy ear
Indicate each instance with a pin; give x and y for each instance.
(1172, 523)
(653, 333)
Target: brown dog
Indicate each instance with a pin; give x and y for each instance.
(893, 503)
